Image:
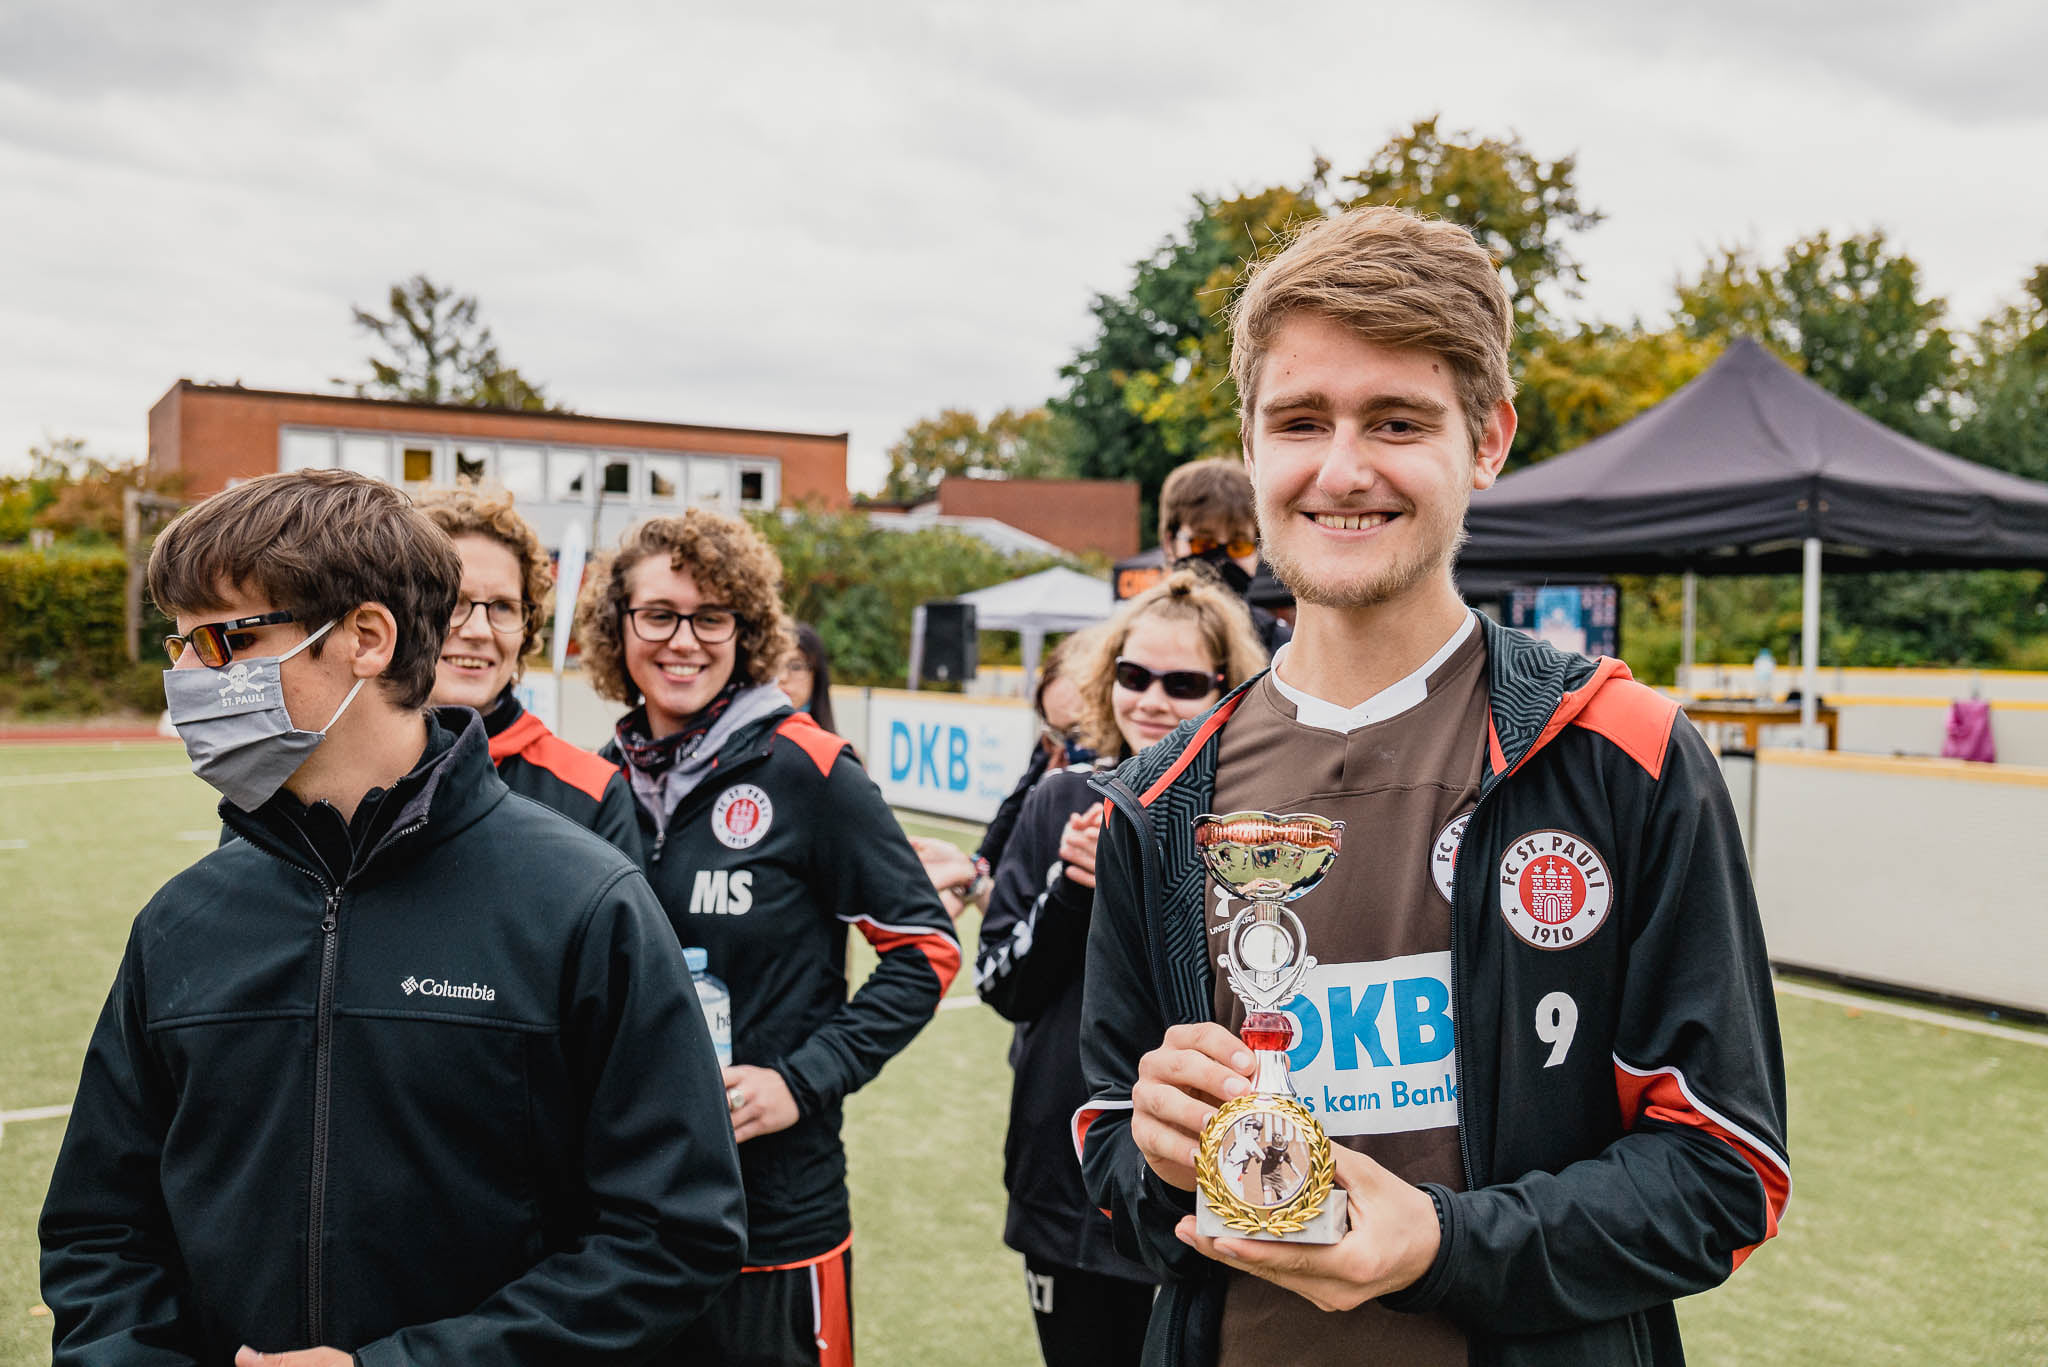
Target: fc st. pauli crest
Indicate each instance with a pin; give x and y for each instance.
(1555, 889)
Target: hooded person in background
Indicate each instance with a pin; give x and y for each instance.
(410, 1071)
(1206, 518)
(506, 581)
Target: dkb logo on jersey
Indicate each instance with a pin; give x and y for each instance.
(741, 816)
(1373, 1045)
(1554, 889)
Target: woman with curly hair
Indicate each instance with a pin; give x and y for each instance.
(765, 840)
(1167, 655)
(505, 585)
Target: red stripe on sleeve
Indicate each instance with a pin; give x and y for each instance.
(1195, 743)
(1663, 1095)
(942, 952)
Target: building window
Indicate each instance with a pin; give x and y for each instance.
(519, 472)
(367, 456)
(711, 483)
(618, 477)
(472, 463)
(758, 486)
(417, 464)
(568, 476)
(664, 478)
(306, 451)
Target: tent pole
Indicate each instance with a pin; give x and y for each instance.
(1034, 646)
(1685, 656)
(1809, 639)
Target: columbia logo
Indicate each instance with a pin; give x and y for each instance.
(440, 987)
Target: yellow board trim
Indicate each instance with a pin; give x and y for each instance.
(1841, 700)
(1959, 770)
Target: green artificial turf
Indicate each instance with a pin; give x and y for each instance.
(1917, 1234)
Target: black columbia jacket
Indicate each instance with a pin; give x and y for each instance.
(440, 1095)
(781, 847)
(1612, 1164)
(1034, 938)
(536, 763)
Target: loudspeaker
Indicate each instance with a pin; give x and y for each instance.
(951, 648)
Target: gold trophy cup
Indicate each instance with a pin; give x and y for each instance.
(1265, 1169)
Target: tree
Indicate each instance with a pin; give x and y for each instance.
(1153, 389)
(1579, 384)
(1013, 444)
(439, 353)
(1518, 205)
(2002, 407)
(1849, 313)
(72, 494)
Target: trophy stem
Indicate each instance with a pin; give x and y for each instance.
(1269, 1033)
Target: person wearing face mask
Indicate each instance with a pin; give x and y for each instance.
(766, 841)
(1205, 518)
(1168, 655)
(410, 1071)
(505, 583)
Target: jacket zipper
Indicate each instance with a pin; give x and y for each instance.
(323, 1079)
(323, 1050)
(1119, 794)
(1457, 975)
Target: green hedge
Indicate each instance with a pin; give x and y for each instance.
(63, 645)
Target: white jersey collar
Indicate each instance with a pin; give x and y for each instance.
(1390, 701)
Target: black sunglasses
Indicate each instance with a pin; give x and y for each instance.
(213, 644)
(1185, 684)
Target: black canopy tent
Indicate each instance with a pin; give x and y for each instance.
(1753, 469)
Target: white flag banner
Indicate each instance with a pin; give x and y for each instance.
(568, 579)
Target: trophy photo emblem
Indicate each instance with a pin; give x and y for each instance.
(1265, 1169)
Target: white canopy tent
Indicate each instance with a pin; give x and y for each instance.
(1053, 600)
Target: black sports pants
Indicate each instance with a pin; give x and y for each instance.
(1086, 1319)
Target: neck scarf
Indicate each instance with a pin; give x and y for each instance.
(656, 757)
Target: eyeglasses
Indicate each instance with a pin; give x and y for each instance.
(711, 626)
(503, 614)
(1237, 548)
(215, 643)
(1185, 684)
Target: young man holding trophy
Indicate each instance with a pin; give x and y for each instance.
(1477, 1122)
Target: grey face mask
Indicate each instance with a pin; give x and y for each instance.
(236, 729)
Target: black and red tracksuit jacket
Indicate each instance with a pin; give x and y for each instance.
(781, 848)
(1641, 1161)
(538, 764)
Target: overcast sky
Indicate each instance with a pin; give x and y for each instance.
(839, 217)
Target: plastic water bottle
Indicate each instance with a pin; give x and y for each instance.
(716, 1001)
(1764, 668)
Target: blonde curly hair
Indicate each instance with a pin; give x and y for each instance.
(1183, 596)
(729, 563)
(465, 511)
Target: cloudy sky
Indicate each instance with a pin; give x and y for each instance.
(842, 217)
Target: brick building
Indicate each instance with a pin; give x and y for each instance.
(560, 466)
(1083, 515)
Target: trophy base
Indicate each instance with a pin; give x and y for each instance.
(1326, 1228)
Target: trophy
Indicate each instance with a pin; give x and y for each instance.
(1265, 1169)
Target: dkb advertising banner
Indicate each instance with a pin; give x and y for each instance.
(952, 756)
